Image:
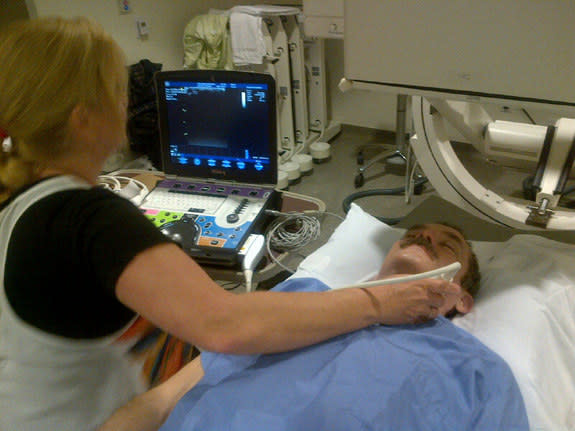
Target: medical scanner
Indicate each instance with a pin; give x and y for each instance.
(456, 60)
(552, 147)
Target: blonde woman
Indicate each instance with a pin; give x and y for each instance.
(79, 263)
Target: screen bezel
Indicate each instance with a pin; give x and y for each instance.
(206, 172)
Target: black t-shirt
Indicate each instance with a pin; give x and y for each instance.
(65, 255)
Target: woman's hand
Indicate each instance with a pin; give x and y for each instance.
(413, 301)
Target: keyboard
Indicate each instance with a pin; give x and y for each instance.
(184, 201)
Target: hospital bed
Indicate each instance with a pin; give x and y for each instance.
(524, 311)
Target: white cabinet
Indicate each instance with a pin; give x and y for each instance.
(504, 49)
(323, 18)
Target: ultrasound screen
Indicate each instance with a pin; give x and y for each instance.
(221, 129)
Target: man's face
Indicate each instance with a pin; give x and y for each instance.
(427, 247)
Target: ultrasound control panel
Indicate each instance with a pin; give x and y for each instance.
(209, 221)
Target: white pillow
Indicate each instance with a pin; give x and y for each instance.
(354, 251)
(358, 246)
(525, 309)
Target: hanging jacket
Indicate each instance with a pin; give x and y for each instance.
(207, 43)
(142, 111)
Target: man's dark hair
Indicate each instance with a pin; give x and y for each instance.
(470, 281)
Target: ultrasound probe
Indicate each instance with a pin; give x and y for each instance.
(445, 273)
(255, 250)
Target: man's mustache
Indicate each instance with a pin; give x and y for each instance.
(419, 240)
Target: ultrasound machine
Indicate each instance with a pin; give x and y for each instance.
(219, 155)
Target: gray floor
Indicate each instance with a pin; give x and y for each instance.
(333, 181)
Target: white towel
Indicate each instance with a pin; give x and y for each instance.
(248, 45)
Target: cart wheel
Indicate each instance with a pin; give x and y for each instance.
(359, 180)
(360, 158)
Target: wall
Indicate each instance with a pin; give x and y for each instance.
(167, 20)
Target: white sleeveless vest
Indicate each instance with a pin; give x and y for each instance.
(49, 382)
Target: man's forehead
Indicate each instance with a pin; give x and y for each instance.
(448, 230)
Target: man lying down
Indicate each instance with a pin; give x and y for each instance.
(431, 375)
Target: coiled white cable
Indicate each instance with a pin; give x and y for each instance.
(129, 188)
(109, 182)
(293, 231)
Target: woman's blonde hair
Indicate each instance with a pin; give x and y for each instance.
(48, 66)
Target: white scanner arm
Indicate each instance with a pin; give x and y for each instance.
(550, 151)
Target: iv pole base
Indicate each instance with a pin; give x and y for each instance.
(396, 153)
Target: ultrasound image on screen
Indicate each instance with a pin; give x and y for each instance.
(224, 126)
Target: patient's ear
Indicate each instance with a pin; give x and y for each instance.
(465, 303)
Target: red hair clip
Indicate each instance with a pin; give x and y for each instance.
(5, 141)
